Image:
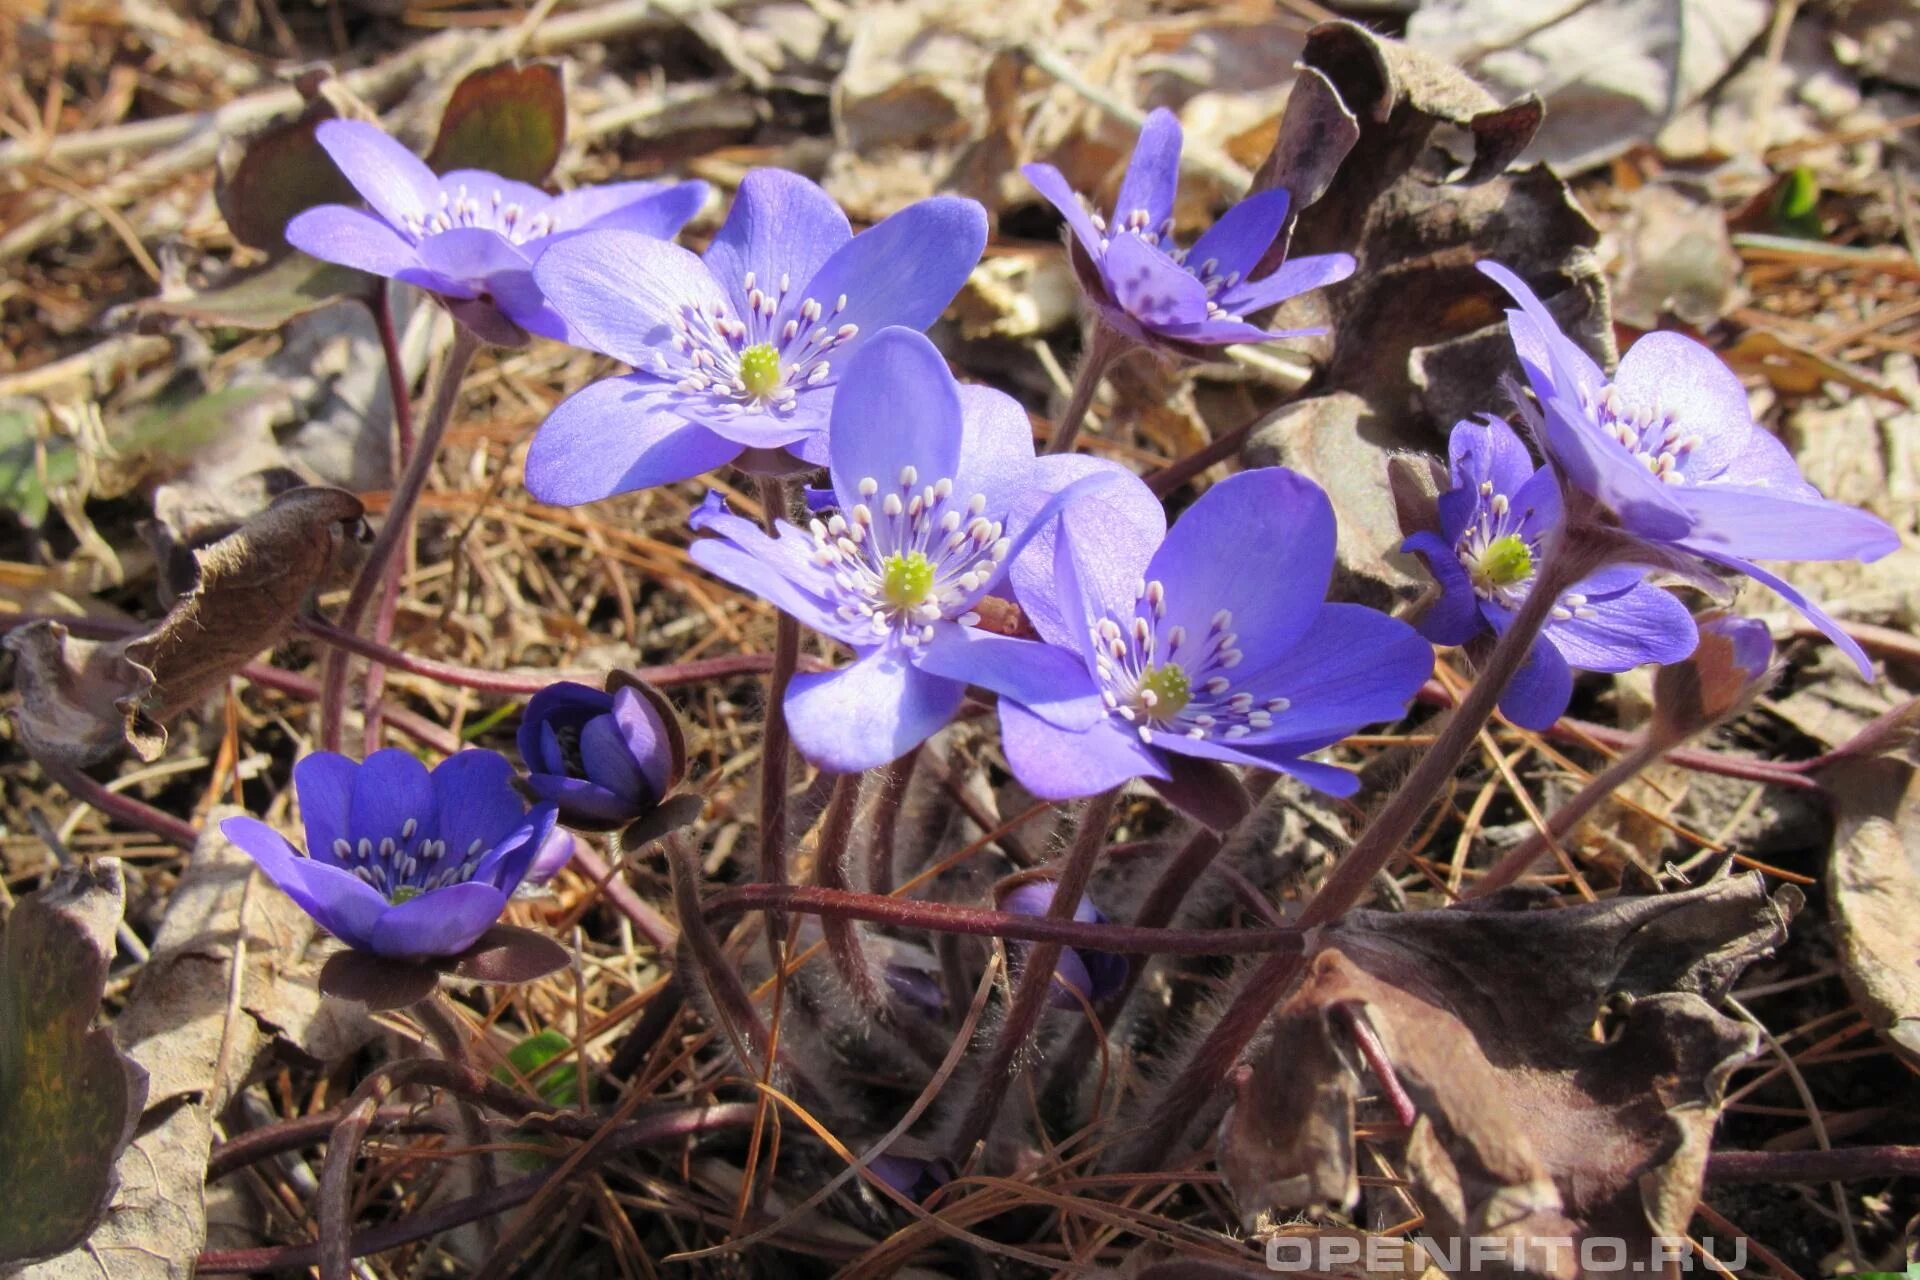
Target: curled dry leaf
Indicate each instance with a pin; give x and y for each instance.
(69, 1099)
(82, 701)
(1361, 150)
(1873, 882)
(1565, 1066)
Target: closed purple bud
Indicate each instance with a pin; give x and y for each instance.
(605, 758)
(911, 1176)
(1726, 672)
(556, 851)
(1080, 976)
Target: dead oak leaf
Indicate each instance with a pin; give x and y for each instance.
(82, 701)
(1565, 1066)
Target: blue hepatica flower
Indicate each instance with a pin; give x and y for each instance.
(1670, 448)
(470, 236)
(744, 348)
(1147, 288)
(1494, 524)
(401, 862)
(1210, 640)
(937, 488)
(1080, 977)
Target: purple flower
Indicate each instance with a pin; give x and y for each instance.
(937, 488)
(1748, 641)
(556, 851)
(470, 236)
(744, 348)
(1494, 523)
(1212, 640)
(402, 862)
(1670, 448)
(1079, 975)
(913, 1177)
(1153, 292)
(606, 759)
(1721, 678)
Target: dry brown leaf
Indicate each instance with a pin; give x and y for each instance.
(82, 701)
(1529, 1124)
(1873, 882)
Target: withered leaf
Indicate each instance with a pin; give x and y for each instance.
(265, 299)
(1529, 1123)
(82, 701)
(506, 119)
(1873, 882)
(68, 1098)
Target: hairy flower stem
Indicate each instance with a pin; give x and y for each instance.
(398, 395)
(830, 857)
(396, 531)
(334, 1201)
(1104, 348)
(438, 1019)
(1571, 558)
(1562, 821)
(775, 505)
(895, 779)
(702, 955)
(1036, 979)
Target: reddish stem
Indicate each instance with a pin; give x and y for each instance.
(123, 809)
(830, 858)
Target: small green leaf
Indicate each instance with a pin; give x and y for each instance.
(507, 119)
(1796, 203)
(68, 1099)
(267, 298)
(559, 1082)
(281, 171)
(23, 454)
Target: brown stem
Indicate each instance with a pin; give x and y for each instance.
(122, 808)
(395, 531)
(895, 780)
(1839, 1164)
(774, 738)
(1174, 474)
(335, 1199)
(830, 872)
(1036, 979)
(1104, 346)
(726, 993)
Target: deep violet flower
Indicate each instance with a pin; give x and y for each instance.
(1494, 524)
(470, 236)
(402, 862)
(743, 348)
(1670, 449)
(1147, 288)
(937, 487)
(605, 758)
(1212, 639)
(1078, 975)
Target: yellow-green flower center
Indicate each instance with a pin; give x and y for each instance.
(404, 893)
(1506, 562)
(1170, 688)
(907, 580)
(760, 369)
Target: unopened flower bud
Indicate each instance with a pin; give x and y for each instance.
(1728, 670)
(1079, 975)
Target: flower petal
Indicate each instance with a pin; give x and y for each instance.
(566, 702)
(655, 208)
(1055, 190)
(1754, 522)
(646, 738)
(390, 787)
(1682, 378)
(477, 803)
(626, 293)
(1540, 691)
(389, 177)
(1640, 625)
(779, 573)
(1487, 449)
(1153, 174)
(335, 233)
(996, 449)
(473, 256)
(870, 713)
(897, 406)
(324, 782)
(902, 271)
(1235, 244)
(442, 922)
(780, 225)
(615, 436)
(1298, 276)
(1122, 522)
(1206, 562)
(1058, 764)
(1801, 601)
(1352, 667)
(1278, 757)
(1152, 287)
(341, 903)
(1454, 617)
(1051, 682)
